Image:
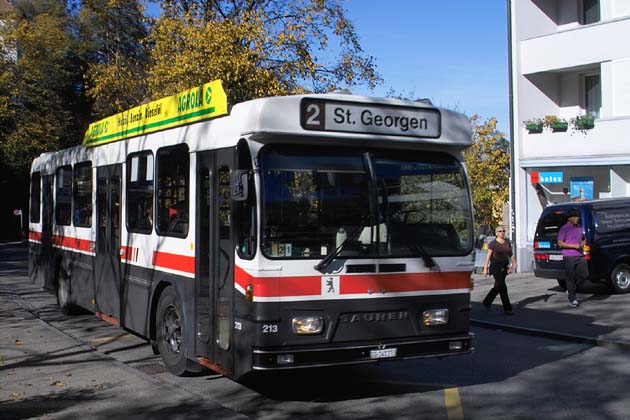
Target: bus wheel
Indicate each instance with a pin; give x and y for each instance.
(62, 291)
(620, 278)
(171, 341)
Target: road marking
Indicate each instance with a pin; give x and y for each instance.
(454, 410)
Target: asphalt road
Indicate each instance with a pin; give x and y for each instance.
(547, 361)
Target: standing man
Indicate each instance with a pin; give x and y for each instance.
(571, 240)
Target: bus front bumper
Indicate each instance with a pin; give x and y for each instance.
(294, 357)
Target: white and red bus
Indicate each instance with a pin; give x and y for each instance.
(285, 232)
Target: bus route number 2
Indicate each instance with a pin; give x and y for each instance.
(313, 115)
(270, 328)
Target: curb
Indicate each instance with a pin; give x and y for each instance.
(617, 345)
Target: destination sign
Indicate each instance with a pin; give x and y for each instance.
(355, 117)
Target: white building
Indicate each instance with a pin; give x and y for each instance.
(567, 58)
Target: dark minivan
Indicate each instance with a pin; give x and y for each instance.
(606, 225)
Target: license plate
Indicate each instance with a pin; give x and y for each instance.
(555, 257)
(543, 245)
(383, 353)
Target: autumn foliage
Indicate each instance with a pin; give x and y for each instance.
(488, 163)
(64, 64)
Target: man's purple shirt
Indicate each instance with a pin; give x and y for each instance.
(572, 235)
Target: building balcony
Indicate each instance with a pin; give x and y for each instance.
(606, 142)
(573, 48)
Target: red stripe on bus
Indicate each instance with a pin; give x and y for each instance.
(174, 261)
(353, 284)
(72, 243)
(404, 282)
(126, 253)
(279, 286)
(34, 236)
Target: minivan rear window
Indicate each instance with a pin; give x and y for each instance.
(549, 225)
(612, 220)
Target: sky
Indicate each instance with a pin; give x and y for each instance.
(453, 52)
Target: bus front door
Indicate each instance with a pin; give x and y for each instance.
(107, 287)
(215, 259)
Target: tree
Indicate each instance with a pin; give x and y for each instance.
(257, 47)
(41, 105)
(112, 37)
(488, 162)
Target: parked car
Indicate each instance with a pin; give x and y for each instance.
(606, 225)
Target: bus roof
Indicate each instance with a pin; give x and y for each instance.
(311, 118)
(348, 116)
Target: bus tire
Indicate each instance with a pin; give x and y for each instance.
(170, 332)
(620, 278)
(62, 291)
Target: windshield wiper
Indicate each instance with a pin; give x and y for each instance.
(332, 254)
(429, 262)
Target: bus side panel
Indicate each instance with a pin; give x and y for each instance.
(81, 270)
(139, 299)
(247, 330)
(36, 263)
(138, 286)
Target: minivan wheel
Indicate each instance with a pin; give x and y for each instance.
(562, 283)
(620, 278)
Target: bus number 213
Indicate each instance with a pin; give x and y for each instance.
(270, 328)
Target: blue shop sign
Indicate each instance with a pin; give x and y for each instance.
(551, 177)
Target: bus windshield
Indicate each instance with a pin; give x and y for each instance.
(388, 203)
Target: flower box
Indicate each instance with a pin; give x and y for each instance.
(584, 122)
(534, 128)
(559, 126)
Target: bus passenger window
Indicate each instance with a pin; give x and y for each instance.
(173, 166)
(139, 205)
(63, 196)
(36, 190)
(82, 195)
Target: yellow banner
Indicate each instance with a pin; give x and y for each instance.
(200, 103)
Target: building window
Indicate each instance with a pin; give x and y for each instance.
(592, 95)
(590, 11)
(173, 166)
(140, 192)
(63, 196)
(82, 194)
(36, 189)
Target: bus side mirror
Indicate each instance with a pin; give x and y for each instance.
(240, 182)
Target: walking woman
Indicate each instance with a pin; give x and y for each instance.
(498, 264)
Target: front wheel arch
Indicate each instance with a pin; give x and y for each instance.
(171, 334)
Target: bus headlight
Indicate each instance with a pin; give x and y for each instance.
(308, 324)
(435, 317)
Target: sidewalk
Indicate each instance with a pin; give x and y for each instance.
(46, 373)
(542, 308)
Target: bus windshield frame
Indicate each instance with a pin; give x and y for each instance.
(391, 204)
